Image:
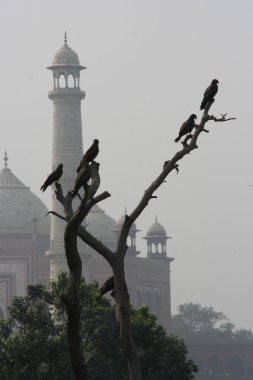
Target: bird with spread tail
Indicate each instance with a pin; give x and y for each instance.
(187, 127)
(108, 286)
(82, 178)
(53, 177)
(210, 93)
(90, 155)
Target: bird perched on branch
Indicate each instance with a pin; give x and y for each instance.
(53, 177)
(82, 178)
(108, 286)
(90, 155)
(210, 93)
(187, 127)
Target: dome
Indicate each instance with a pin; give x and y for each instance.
(66, 56)
(156, 230)
(66, 59)
(19, 206)
(101, 225)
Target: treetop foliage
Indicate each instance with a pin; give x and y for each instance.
(33, 343)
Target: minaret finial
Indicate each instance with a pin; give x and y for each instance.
(156, 218)
(5, 159)
(125, 210)
(65, 38)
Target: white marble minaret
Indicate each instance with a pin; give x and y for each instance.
(67, 140)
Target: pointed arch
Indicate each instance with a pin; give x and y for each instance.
(62, 81)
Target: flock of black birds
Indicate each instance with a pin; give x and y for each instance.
(84, 173)
(189, 124)
(83, 170)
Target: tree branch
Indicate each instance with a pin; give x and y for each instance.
(83, 210)
(56, 214)
(96, 244)
(168, 167)
(222, 118)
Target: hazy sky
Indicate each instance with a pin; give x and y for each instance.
(148, 64)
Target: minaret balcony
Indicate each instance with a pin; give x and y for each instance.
(66, 92)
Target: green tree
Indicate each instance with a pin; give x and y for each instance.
(33, 343)
(161, 356)
(195, 323)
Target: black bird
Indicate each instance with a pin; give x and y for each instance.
(210, 93)
(108, 286)
(53, 177)
(82, 178)
(186, 127)
(90, 155)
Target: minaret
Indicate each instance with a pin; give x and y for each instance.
(156, 241)
(67, 140)
(157, 252)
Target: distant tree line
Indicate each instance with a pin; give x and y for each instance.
(195, 323)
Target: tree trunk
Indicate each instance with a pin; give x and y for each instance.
(72, 302)
(123, 315)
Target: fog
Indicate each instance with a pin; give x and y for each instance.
(148, 64)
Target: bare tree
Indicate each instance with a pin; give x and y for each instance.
(115, 258)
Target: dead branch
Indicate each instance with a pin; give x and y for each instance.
(184, 142)
(56, 214)
(96, 244)
(168, 167)
(176, 167)
(222, 118)
(79, 197)
(83, 211)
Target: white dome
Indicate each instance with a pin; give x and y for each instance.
(156, 230)
(66, 56)
(19, 206)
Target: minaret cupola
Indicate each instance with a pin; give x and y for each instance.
(66, 68)
(156, 240)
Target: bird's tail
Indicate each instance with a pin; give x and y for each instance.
(177, 139)
(203, 104)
